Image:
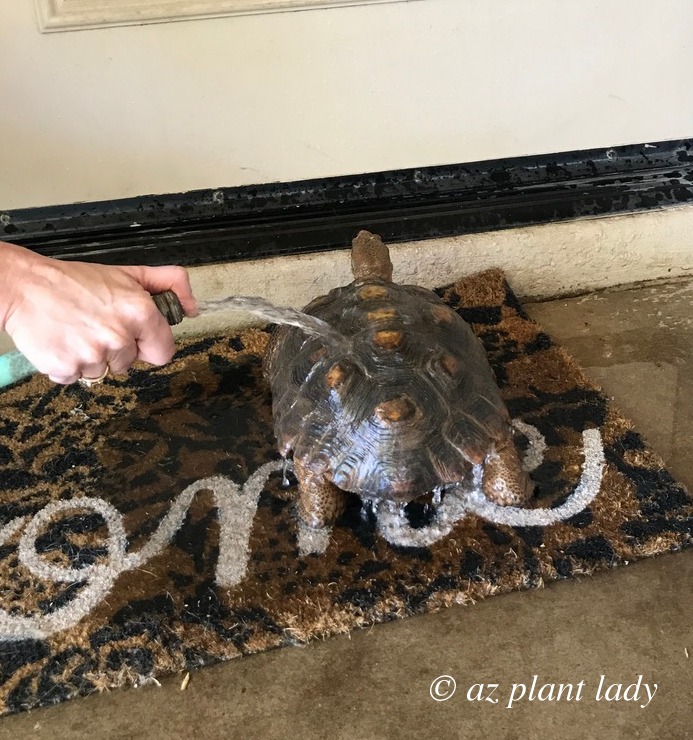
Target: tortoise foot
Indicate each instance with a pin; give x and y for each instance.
(505, 482)
(319, 502)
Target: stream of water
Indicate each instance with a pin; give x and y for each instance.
(277, 314)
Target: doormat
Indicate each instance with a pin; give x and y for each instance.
(145, 528)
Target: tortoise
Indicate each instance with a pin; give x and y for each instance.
(406, 407)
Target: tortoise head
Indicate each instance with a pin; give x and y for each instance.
(370, 258)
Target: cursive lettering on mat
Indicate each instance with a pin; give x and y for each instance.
(236, 506)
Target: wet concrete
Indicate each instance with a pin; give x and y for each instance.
(634, 621)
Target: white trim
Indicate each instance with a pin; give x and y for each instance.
(73, 15)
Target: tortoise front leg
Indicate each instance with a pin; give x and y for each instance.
(505, 482)
(320, 502)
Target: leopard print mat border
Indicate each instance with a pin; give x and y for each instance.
(144, 527)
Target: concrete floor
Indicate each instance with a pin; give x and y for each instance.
(638, 344)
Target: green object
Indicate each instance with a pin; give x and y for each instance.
(14, 367)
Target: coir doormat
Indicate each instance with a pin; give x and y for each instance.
(144, 528)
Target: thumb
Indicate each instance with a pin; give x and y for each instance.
(169, 277)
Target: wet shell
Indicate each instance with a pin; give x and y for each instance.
(410, 407)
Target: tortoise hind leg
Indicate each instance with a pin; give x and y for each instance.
(505, 482)
(320, 502)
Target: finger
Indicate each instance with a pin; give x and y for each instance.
(169, 277)
(93, 370)
(120, 360)
(57, 365)
(155, 343)
(64, 379)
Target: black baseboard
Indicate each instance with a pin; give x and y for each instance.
(249, 222)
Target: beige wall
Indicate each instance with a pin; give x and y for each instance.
(102, 114)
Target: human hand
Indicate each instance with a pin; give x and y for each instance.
(76, 320)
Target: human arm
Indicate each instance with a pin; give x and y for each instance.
(74, 319)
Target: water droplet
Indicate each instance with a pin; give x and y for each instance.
(366, 508)
(437, 495)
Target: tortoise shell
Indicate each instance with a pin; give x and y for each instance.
(409, 406)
